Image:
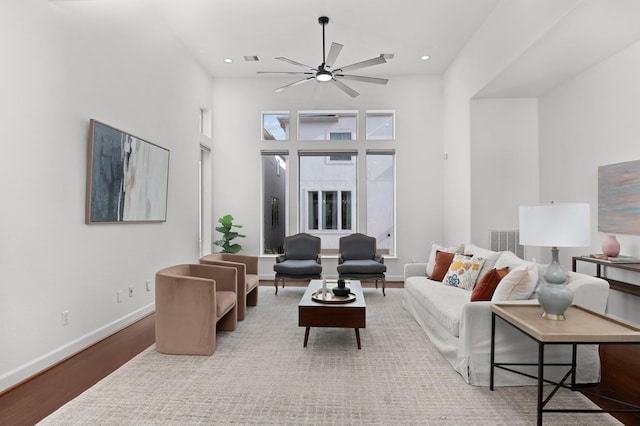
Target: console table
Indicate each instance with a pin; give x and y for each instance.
(614, 284)
(581, 327)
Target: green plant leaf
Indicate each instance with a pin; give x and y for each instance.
(227, 235)
(234, 248)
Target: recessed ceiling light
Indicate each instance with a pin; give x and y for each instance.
(228, 60)
(424, 57)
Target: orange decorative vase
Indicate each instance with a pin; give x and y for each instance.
(610, 246)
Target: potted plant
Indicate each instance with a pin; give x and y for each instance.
(228, 235)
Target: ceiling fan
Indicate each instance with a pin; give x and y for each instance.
(325, 71)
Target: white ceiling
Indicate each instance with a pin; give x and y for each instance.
(213, 30)
(593, 31)
(217, 29)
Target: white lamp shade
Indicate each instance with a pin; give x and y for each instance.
(555, 225)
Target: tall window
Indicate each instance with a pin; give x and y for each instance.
(381, 199)
(327, 196)
(340, 183)
(275, 190)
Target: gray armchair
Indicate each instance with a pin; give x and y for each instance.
(300, 261)
(358, 259)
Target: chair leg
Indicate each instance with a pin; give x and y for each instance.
(252, 297)
(275, 284)
(384, 286)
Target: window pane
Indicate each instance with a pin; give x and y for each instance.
(380, 126)
(275, 127)
(332, 216)
(380, 201)
(274, 195)
(313, 209)
(329, 210)
(319, 125)
(346, 209)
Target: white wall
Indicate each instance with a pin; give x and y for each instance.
(64, 63)
(510, 30)
(238, 104)
(504, 163)
(591, 121)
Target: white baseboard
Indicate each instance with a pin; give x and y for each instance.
(31, 368)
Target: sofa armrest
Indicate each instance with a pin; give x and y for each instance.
(415, 270)
(590, 293)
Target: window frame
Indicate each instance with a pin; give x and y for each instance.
(326, 131)
(264, 130)
(379, 112)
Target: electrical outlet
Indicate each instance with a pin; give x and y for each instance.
(65, 317)
(119, 296)
(130, 291)
(148, 285)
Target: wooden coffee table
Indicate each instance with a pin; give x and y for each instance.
(347, 315)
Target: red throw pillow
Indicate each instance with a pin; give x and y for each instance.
(485, 287)
(443, 261)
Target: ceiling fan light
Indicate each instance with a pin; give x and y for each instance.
(324, 75)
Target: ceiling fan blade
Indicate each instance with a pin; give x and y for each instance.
(295, 83)
(298, 64)
(348, 90)
(363, 78)
(333, 54)
(363, 64)
(285, 72)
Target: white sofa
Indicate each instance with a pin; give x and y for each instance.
(461, 329)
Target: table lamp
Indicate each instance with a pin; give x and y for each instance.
(555, 225)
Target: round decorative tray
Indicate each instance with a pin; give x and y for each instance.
(331, 298)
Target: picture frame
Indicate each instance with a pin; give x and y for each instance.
(127, 177)
(619, 198)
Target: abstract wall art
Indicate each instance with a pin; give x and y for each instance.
(619, 198)
(127, 177)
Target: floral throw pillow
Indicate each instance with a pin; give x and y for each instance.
(463, 271)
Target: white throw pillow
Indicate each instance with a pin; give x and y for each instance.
(508, 258)
(432, 256)
(470, 248)
(519, 284)
(490, 257)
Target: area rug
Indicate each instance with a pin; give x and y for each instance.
(262, 374)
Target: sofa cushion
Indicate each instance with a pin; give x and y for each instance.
(518, 284)
(463, 271)
(298, 267)
(364, 266)
(486, 285)
(443, 302)
(432, 255)
(508, 258)
(443, 261)
(472, 249)
(490, 257)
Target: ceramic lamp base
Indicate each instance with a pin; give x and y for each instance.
(554, 299)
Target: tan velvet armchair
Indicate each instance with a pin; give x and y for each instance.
(192, 301)
(247, 267)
